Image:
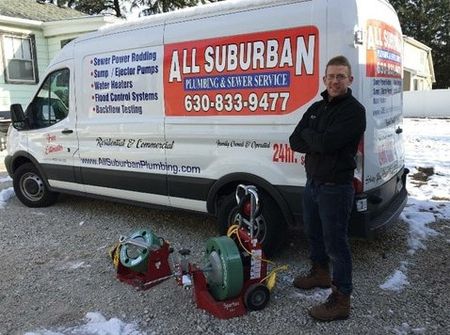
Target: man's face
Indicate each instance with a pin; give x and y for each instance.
(337, 80)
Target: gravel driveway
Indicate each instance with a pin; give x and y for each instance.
(55, 269)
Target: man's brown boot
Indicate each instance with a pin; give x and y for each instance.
(337, 307)
(318, 276)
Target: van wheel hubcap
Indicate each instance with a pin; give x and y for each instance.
(32, 187)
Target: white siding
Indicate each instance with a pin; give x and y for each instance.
(416, 59)
(418, 71)
(54, 43)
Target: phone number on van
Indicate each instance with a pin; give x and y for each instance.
(235, 102)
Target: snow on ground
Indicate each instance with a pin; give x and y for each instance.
(395, 282)
(427, 155)
(315, 296)
(5, 195)
(4, 179)
(96, 324)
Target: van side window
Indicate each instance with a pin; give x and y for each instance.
(51, 103)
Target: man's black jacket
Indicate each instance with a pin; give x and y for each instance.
(329, 134)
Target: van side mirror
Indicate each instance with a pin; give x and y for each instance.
(18, 117)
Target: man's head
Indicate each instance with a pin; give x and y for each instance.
(338, 76)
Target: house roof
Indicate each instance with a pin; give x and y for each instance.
(35, 10)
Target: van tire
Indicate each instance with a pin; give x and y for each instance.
(30, 187)
(271, 220)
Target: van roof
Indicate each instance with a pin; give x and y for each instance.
(211, 9)
(192, 13)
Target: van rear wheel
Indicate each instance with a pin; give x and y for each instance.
(30, 188)
(269, 227)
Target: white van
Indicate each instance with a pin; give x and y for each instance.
(178, 109)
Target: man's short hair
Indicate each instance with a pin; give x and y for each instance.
(340, 61)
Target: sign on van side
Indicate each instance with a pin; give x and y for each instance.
(266, 73)
(124, 83)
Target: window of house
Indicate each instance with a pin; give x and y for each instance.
(18, 55)
(64, 42)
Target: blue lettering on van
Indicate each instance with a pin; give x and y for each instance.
(118, 84)
(101, 61)
(107, 109)
(124, 71)
(144, 96)
(117, 59)
(120, 96)
(143, 56)
(254, 80)
(101, 97)
(388, 55)
(101, 73)
(147, 69)
(101, 85)
(132, 109)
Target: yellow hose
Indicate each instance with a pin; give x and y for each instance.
(272, 276)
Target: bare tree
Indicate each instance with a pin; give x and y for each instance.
(161, 6)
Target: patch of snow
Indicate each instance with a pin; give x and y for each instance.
(96, 324)
(73, 265)
(5, 179)
(317, 295)
(5, 195)
(395, 282)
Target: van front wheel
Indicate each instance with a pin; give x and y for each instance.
(269, 226)
(30, 187)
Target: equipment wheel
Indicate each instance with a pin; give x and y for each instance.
(256, 297)
(136, 248)
(225, 276)
(269, 226)
(30, 187)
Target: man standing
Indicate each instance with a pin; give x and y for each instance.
(329, 133)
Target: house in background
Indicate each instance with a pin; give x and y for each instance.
(419, 97)
(418, 70)
(31, 33)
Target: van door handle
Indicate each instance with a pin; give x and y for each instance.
(398, 130)
(67, 131)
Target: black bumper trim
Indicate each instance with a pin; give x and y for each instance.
(367, 224)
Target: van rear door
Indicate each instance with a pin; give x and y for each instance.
(381, 195)
(382, 93)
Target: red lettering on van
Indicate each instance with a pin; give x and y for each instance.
(49, 149)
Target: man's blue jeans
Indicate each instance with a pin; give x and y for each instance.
(326, 214)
